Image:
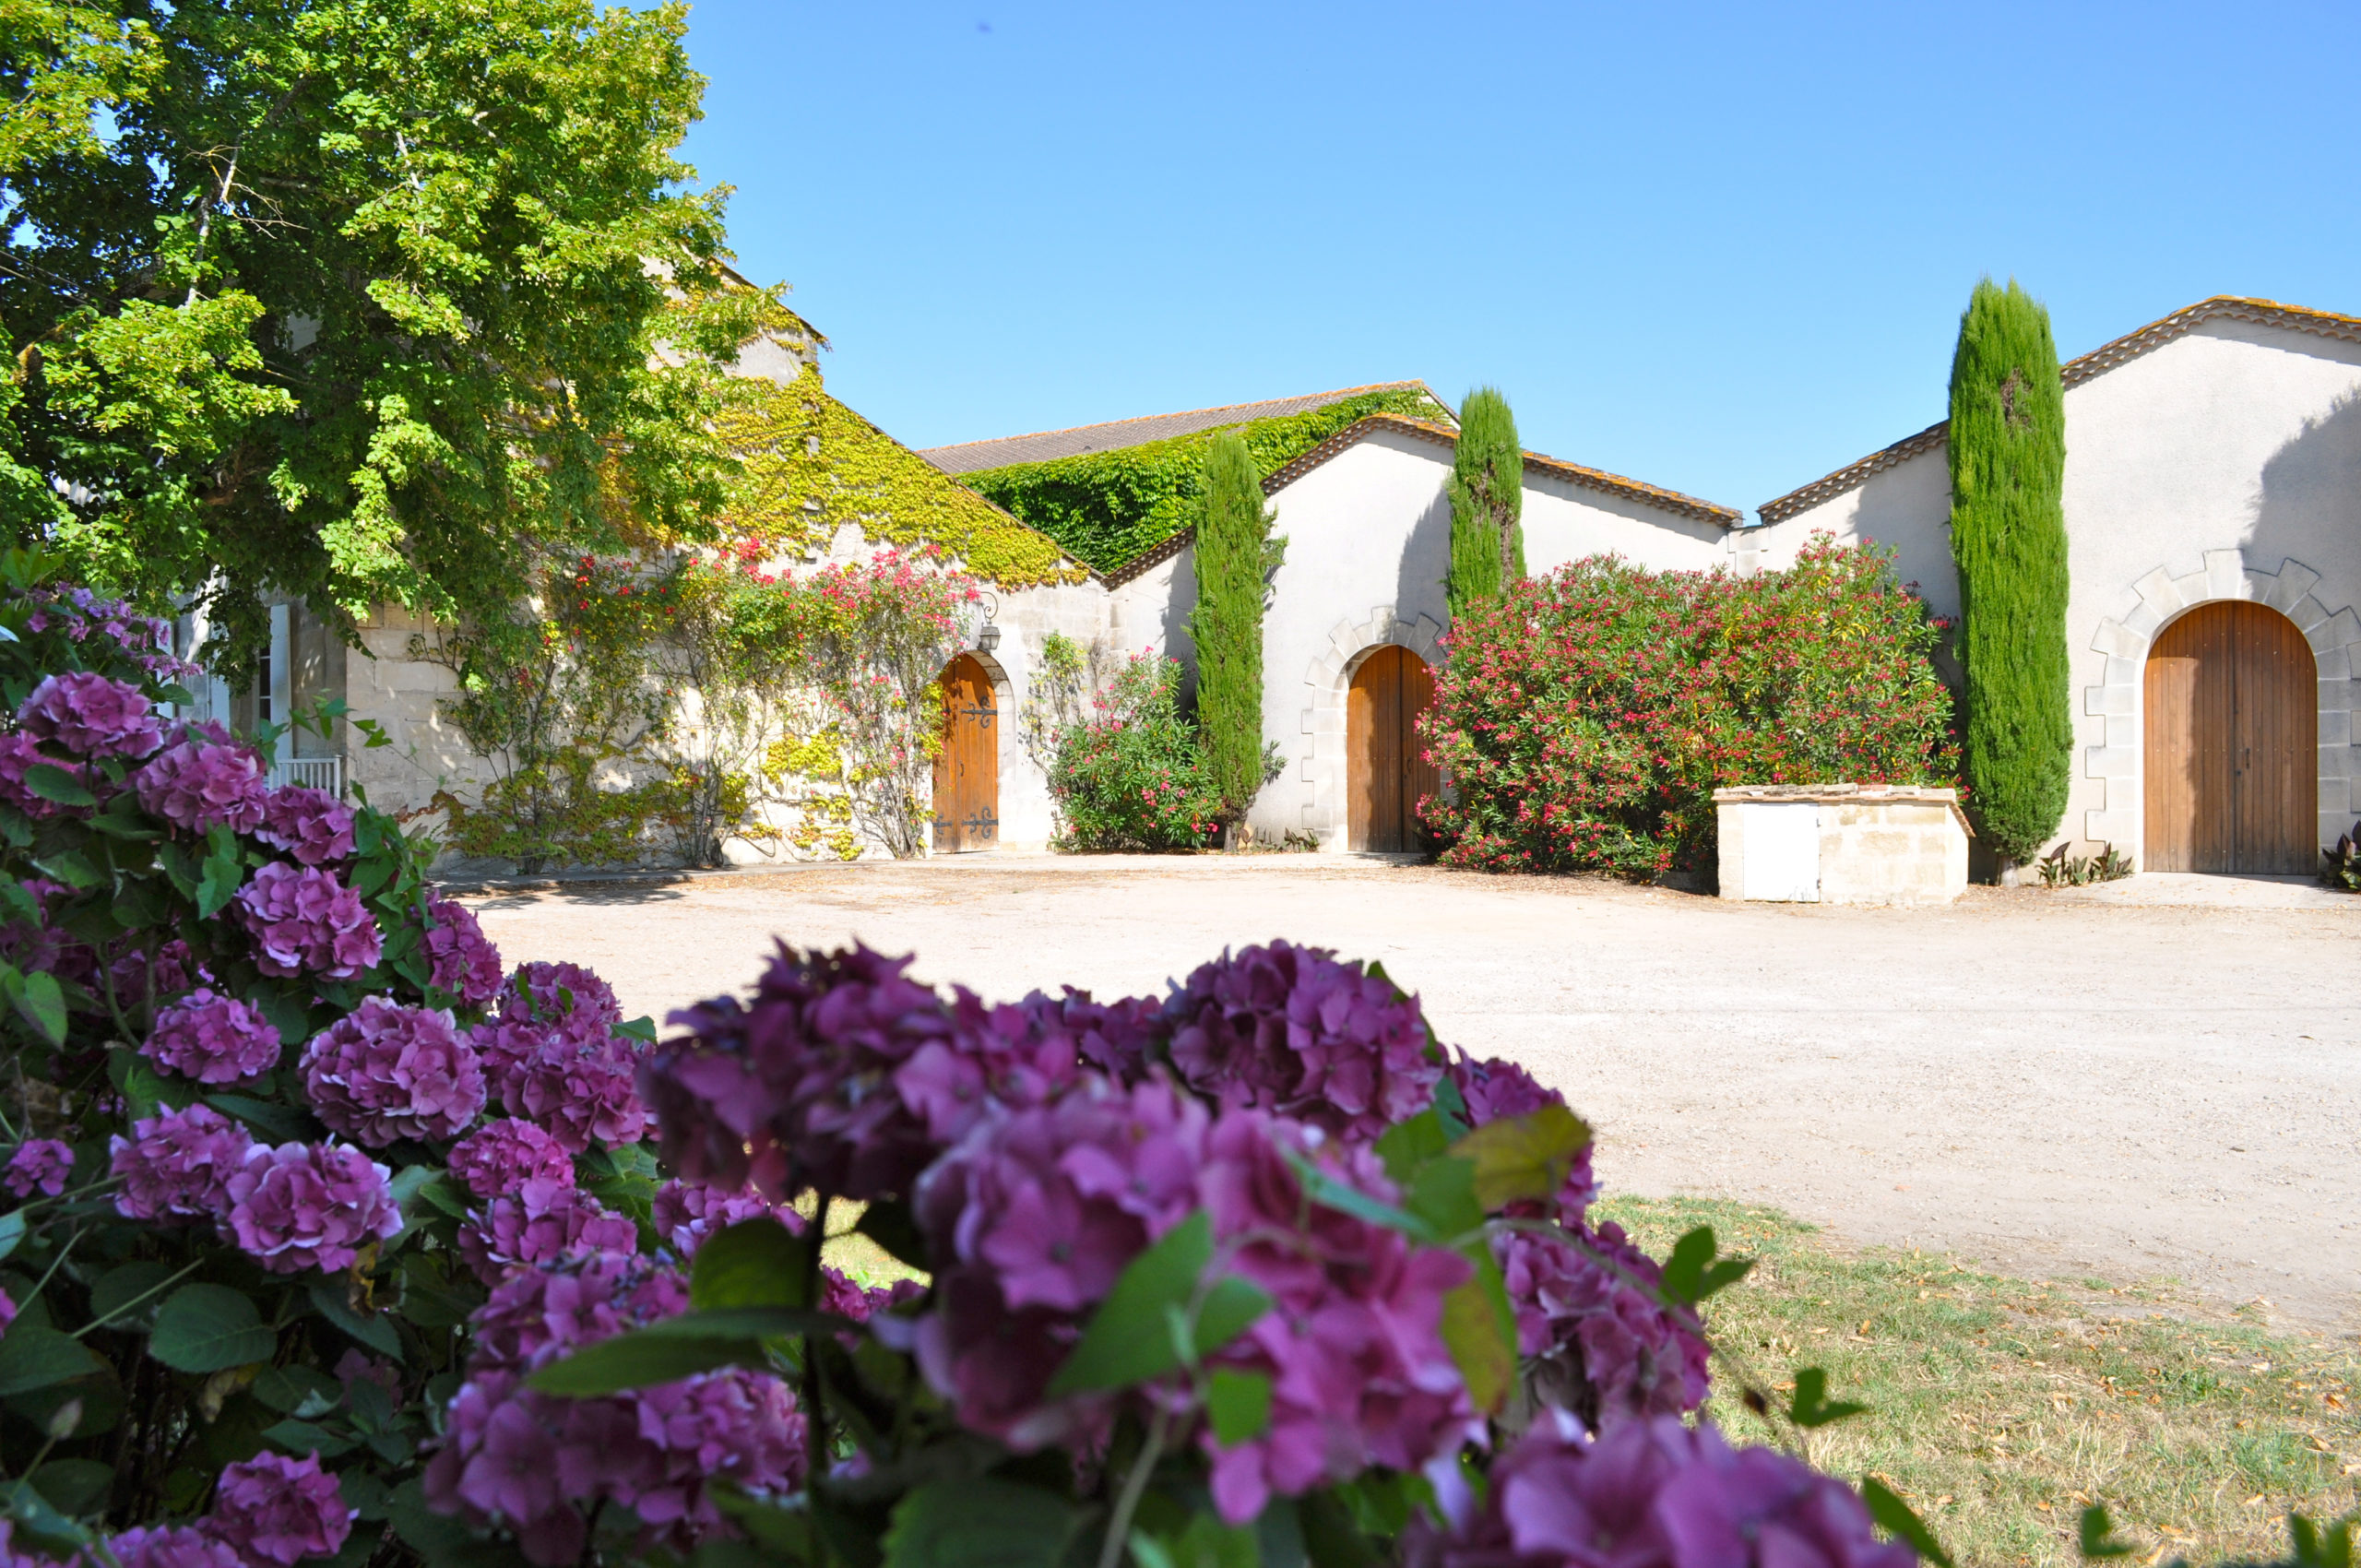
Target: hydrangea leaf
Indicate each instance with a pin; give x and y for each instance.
(755, 1263)
(984, 1523)
(297, 1391)
(41, 1001)
(74, 1487)
(1895, 1517)
(682, 1347)
(375, 1332)
(1328, 1192)
(1694, 1271)
(126, 1287)
(1523, 1157)
(891, 1226)
(1407, 1145)
(1480, 1329)
(1331, 1538)
(12, 1231)
(1240, 1404)
(1128, 1341)
(32, 1357)
(53, 783)
(1444, 1196)
(204, 1329)
(277, 1123)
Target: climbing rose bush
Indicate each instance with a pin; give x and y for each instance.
(1585, 718)
(1131, 774)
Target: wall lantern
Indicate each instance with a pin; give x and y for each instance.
(988, 635)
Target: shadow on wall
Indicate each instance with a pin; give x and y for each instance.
(1418, 583)
(1180, 601)
(2310, 506)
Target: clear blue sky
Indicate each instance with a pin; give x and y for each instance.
(1722, 249)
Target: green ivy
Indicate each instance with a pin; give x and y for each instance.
(1110, 508)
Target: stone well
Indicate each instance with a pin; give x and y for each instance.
(1842, 843)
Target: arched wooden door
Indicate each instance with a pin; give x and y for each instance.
(2232, 744)
(967, 771)
(1384, 775)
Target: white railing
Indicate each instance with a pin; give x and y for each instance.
(319, 772)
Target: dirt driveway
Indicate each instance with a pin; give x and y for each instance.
(2051, 1086)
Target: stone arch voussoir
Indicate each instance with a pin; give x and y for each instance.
(1325, 680)
(2162, 596)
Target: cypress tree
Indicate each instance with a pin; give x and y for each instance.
(1487, 502)
(1235, 556)
(2007, 458)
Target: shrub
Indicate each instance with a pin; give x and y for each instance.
(1133, 776)
(2008, 460)
(1586, 719)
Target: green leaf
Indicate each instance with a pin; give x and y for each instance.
(443, 1196)
(1230, 1308)
(642, 1028)
(42, 1003)
(1407, 1145)
(1480, 1329)
(681, 1347)
(38, 1517)
(118, 1287)
(329, 1300)
(301, 1391)
(1443, 1198)
(1812, 1406)
(984, 1523)
(1523, 1157)
(216, 883)
(32, 1357)
(73, 868)
(1240, 1404)
(277, 1123)
(890, 1225)
(1329, 1193)
(1692, 1274)
(306, 1437)
(756, 1263)
(1895, 1517)
(1331, 1537)
(53, 783)
(1206, 1543)
(204, 1328)
(74, 1487)
(1126, 1341)
(2098, 1535)
(12, 1231)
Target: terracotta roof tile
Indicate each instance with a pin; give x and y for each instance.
(970, 456)
(2074, 371)
(1443, 436)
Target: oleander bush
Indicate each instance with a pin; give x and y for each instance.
(334, 1242)
(1585, 718)
(1133, 774)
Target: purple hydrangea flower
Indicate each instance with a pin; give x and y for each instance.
(39, 1165)
(213, 1038)
(574, 1077)
(141, 978)
(307, 920)
(1655, 1494)
(309, 1205)
(541, 1220)
(1289, 1029)
(171, 1547)
(552, 993)
(199, 783)
(310, 824)
(7, 1310)
(1013, 1055)
(177, 1165)
(276, 1509)
(538, 1466)
(1596, 1343)
(688, 1213)
(797, 1087)
(90, 716)
(499, 1157)
(384, 1073)
(462, 961)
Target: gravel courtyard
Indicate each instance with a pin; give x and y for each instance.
(2051, 1085)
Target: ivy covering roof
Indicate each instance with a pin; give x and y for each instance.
(1129, 486)
(812, 464)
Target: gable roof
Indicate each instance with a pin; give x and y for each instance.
(2073, 372)
(970, 456)
(1448, 438)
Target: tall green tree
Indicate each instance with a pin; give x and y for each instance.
(1235, 555)
(2007, 458)
(358, 299)
(1487, 502)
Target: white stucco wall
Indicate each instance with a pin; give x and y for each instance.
(2223, 464)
